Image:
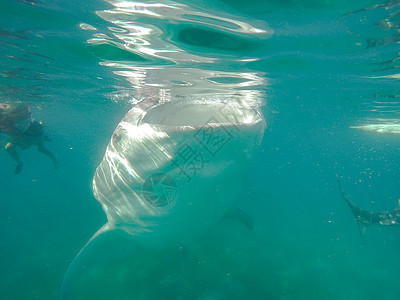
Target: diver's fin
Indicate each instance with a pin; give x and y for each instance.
(362, 229)
(106, 245)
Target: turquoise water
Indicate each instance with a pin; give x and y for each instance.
(326, 75)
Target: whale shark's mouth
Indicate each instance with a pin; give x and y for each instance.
(195, 115)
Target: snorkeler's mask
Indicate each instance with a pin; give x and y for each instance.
(171, 170)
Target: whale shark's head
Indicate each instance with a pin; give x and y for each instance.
(173, 169)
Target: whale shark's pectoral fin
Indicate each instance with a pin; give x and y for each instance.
(235, 213)
(106, 245)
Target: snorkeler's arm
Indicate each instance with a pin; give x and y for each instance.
(358, 213)
(361, 215)
(345, 197)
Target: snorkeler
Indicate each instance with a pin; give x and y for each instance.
(365, 218)
(16, 122)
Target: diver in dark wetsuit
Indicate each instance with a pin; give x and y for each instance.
(365, 218)
(22, 136)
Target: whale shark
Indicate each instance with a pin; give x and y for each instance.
(365, 218)
(170, 172)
